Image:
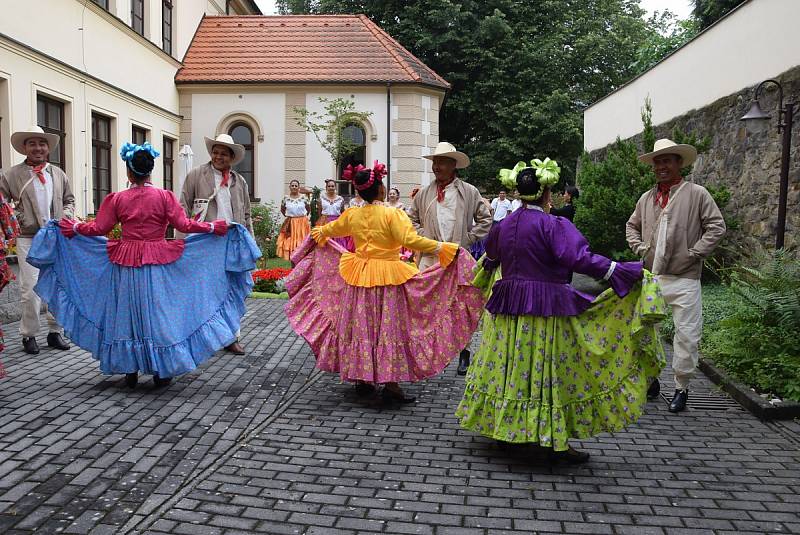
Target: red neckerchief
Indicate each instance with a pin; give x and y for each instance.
(440, 190)
(226, 176)
(662, 195)
(38, 169)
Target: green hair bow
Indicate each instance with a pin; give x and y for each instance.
(547, 172)
(508, 177)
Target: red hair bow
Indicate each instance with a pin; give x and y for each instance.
(349, 172)
(378, 171)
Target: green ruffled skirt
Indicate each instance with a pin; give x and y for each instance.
(545, 380)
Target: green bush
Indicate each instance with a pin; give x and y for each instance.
(756, 339)
(609, 191)
(266, 225)
(265, 286)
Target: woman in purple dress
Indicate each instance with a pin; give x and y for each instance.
(555, 363)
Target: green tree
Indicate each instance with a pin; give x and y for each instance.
(521, 72)
(609, 191)
(707, 12)
(665, 35)
(329, 127)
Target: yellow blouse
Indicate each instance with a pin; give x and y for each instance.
(379, 232)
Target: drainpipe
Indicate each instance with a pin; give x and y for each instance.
(388, 137)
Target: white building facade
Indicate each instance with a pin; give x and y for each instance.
(98, 73)
(102, 72)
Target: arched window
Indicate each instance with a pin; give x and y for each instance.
(357, 135)
(243, 134)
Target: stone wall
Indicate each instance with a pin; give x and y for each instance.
(746, 159)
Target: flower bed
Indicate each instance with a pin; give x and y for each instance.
(270, 280)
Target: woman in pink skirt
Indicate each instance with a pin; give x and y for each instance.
(369, 316)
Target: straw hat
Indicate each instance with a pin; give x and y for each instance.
(226, 141)
(18, 139)
(667, 146)
(447, 150)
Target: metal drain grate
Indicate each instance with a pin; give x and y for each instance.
(706, 401)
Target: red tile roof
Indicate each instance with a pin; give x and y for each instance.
(299, 49)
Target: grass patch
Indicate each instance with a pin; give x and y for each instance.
(276, 262)
(269, 295)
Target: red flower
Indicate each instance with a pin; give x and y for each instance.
(271, 274)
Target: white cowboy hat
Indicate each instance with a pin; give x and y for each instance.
(667, 146)
(227, 141)
(18, 139)
(447, 150)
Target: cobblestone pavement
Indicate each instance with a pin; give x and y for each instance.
(265, 444)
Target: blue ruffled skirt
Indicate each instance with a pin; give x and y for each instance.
(155, 319)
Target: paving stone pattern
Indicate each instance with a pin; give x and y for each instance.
(265, 444)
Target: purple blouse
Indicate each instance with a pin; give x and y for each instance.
(537, 253)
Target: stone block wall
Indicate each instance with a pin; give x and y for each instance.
(746, 159)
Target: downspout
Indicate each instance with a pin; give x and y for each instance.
(388, 137)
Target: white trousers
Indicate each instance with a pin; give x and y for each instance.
(29, 301)
(685, 298)
(427, 260)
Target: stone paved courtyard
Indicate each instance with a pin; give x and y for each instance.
(266, 444)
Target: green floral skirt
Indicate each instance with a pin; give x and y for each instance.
(545, 380)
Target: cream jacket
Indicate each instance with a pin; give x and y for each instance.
(27, 207)
(473, 219)
(690, 227)
(199, 184)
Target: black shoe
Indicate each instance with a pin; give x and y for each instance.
(29, 345)
(679, 401)
(236, 348)
(364, 390)
(56, 341)
(131, 379)
(390, 397)
(654, 390)
(463, 362)
(160, 382)
(570, 456)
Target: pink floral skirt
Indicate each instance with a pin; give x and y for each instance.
(382, 334)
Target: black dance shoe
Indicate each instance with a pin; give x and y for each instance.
(56, 341)
(653, 390)
(570, 456)
(364, 390)
(160, 382)
(393, 396)
(679, 401)
(29, 345)
(131, 379)
(463, 362)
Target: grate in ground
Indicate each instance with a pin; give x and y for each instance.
(706, 401)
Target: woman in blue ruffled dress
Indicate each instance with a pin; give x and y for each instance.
(142, 304)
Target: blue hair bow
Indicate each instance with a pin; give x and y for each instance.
(129, 149)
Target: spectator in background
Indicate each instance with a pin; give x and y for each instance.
(568, 210)
(501, 207)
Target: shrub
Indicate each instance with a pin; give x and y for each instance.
(266, 225)
(609, 191)
(757, 341)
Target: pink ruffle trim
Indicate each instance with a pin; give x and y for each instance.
(137, 253)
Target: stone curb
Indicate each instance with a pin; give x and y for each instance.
(758, 406)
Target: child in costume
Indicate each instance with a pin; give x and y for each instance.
(555, 363)
(142, 304)
(368, 315)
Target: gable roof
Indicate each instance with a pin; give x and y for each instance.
(299, 49)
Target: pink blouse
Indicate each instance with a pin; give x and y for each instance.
(144, 212)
